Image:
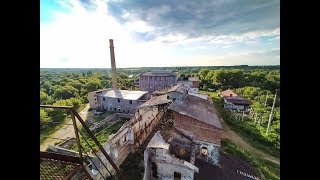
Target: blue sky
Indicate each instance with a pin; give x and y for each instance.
(74, 34)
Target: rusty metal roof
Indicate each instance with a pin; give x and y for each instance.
(197, 108)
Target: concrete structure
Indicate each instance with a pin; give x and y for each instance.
(114, 99)
(160, 164)
(113, 66)
(194, 84)
(198, 117)
(233, 101)
(157, 80)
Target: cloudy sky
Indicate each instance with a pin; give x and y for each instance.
(148, 33)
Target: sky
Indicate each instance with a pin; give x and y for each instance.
(159, 33)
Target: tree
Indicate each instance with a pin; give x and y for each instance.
(45, 98)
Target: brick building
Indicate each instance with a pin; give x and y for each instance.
(197, 116)
(157, 80)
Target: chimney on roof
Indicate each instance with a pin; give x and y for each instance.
(230, 95)
(113, 66)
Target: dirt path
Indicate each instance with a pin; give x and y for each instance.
(65, 131)
(235, 138)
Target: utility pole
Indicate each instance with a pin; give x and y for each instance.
(272, 110)
(265, 103)
(242, 115)
(255, 119)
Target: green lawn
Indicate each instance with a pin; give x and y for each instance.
(212, 94)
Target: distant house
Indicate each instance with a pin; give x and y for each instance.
(233, 101)
(194, 84)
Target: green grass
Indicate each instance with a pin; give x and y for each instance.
(102, 136)
(51, 129)
(248, 131)
(54, 127)
(133, 167)
(212, 94)
(269, 169)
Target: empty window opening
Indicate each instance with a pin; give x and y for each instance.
(128, 111)
(177, 175)
(130, 101)
(154, 170)
(182, 151)
(118, 100)
(204, 151)
(115, 109)
(104, 99)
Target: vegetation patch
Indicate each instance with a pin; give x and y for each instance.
(268, 169)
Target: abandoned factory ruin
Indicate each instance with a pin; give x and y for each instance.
(192, 128)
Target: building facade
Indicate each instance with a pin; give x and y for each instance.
(157, 80)
(121, 101)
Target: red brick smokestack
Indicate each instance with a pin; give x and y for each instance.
(113, 66)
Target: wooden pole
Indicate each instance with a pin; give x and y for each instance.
(272, 111)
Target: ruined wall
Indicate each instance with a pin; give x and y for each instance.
(202, 131)
(175, 95)
(144, 122)
(92, 97)
(213, 152)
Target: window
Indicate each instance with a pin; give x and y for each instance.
(128, 111)
(161, 79)
(130, 101)
(182, 151)
(204, 151)
(115, 109)
(154, 170)
(125, 138)
(104, 98)
(118, 100)
(168, 97)
(110, 108)
(95, 99)
(123, 111)
(177, 175)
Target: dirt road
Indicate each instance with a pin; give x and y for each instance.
(235, 138)
(65, 131)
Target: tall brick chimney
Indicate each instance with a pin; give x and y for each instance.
(113, 66)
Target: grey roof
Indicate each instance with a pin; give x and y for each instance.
(197, 108)
(158, 142)
(159, 73)
(124, 94)
(178, 88)
(162, 99)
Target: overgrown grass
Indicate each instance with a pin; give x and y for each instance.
(269, 169)
(102, 136)
(212, 94)
(133, 167)
(51, 129)
(248, 131)
(54, 127)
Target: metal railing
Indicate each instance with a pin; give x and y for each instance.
(83, 154)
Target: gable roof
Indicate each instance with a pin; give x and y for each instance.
(197, 108)
(227, 93)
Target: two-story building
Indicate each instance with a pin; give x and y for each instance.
(157, 80)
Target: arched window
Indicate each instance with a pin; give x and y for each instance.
(204, 151)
